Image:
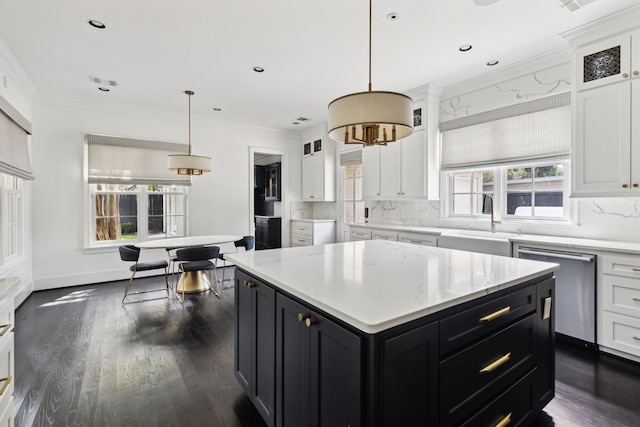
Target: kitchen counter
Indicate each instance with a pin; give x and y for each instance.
(375, 285)
(567, 242)
(379, 333)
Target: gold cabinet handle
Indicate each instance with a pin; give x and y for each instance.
(635, 269)
(625, 186)
(635, 338)
(302, 316)
(6, 380)
(635, 185)
(634, 298)
(249, 283)
(5, 328)
(310, 321)
(495, 365)
(635, 72)
(496, 314)
(625, 75)
(505, 421)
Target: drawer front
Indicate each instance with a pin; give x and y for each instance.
(465, 327)
(484, 369)
(6, 367)
(621, 294)
(360, 235)
(384, 235)
(620, 265)
(418, 239)
(621, 333)
(303, 228)
(301, 240)
(514, 407)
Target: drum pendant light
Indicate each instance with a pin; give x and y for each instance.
(370, 118)
(189, 164)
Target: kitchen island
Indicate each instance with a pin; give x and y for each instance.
(379, 333)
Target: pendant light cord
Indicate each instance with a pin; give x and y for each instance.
(370, 1)
(189, 93)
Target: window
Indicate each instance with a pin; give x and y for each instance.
(133, 196)
(10, 217)
(137, 212)
(536, 192)
(353, 206)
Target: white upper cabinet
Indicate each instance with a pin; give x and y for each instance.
(606, 145)
(318, 169)
(398, 170)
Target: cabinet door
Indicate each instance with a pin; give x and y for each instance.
(313, 177)
(414, 160)
(602, 63)
(635, 131)
(255, 343)
(600, 156)
(391, 170)
(371, 171)
(292, 364)
(335, 370)
(318, 369)
(307, 178)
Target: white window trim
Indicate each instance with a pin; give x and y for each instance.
(7, 261)
(570, 213)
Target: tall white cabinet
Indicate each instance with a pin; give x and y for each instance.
(318, 168)
(606, 145)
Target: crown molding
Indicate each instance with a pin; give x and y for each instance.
(619, 22)
(15, 71)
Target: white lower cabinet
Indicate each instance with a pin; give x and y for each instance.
(619, 303)
(312, 232)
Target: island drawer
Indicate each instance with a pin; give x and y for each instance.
(484, 369)
(469, 325)
(516, 406)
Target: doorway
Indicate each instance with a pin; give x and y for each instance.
(269, 217)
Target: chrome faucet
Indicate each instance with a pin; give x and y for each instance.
(484, 205)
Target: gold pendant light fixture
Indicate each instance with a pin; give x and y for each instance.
(373, 117)
(189, 164)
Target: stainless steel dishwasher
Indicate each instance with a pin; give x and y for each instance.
(575, 300)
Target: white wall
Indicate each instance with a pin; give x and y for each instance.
(218, 201)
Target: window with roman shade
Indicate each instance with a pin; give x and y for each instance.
(118, 160)
(14, 148)
(538, 130)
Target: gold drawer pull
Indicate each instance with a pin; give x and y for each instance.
(505, 421)
(495, 365)
(5, 328)
(302, 316)
(635, 269)
(310, 321)
(249, 283)
(634, 298)
(6, 380)
(495, 314)
(636, 338)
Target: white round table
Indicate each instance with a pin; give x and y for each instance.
(190, 281)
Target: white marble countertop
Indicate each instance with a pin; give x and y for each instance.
(312, 220)
(566, 242)
(375, 285)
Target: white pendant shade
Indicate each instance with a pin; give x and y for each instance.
(351, 117)
(186, 164)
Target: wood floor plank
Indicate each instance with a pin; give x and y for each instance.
(83, 359)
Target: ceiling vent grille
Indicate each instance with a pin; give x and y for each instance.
(573, 5)
(102, 82)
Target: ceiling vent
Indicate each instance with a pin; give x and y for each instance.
(302, 119)
(573, 5)
(102, 82)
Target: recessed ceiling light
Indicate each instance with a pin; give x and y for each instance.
(393, 16)
(217, 109)
(97, 24)
(258, 69)
(492, 63)
(465, 48)
(104, 89)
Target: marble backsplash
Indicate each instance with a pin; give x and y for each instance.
(604, 218)
(314, 210)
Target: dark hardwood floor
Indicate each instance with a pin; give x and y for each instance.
(83, 359)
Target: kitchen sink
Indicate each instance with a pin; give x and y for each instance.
(477, 241)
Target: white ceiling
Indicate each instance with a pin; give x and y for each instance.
(312, 50)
